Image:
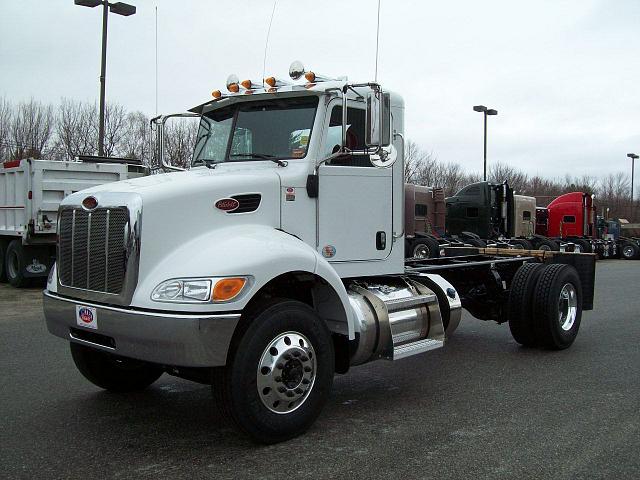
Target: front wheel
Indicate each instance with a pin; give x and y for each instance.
(279, 373)
(630, 251)
(113, 373)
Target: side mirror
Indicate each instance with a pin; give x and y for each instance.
(378, 120)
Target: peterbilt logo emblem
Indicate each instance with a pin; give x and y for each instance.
(227, 204)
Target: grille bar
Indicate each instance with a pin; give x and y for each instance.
(92, 249)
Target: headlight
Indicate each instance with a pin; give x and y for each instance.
(199, 290)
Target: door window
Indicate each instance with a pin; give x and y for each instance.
(355, 137)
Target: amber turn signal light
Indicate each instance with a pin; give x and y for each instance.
(227, 289)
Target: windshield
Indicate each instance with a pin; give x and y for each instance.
(256, 130)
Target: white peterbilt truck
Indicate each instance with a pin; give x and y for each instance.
(277, 260)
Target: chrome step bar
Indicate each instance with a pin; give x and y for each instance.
(414, 348)
(399, 304)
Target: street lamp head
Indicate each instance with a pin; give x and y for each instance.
(88, 3)
(491, 111)
(633, 156)
(123, 9)
(479, 108)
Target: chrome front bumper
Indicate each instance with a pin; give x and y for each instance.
(187, 340)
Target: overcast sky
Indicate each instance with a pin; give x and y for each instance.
(563, 75)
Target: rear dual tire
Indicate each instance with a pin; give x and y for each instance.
(545, 305)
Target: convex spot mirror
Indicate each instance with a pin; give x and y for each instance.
(378, 120)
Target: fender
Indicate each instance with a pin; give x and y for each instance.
(259, 251)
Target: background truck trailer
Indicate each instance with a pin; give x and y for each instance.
(30, 194)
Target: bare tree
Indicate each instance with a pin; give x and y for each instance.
(136, 142)
(31, 129)
(76, 129)
(6, 114)
(115, 129)
(180, 137)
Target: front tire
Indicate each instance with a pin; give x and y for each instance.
(630, 251)
(279, 372)
(113, 373)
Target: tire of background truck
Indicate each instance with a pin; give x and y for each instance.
(557, 306)
(521, 243)
(519, 311)
(546, 245)
(14, 264)
(279, 372)
(630, 251)
(475, 242)
(582, 245)
(425, 247)
(112, 373)
(3, 272)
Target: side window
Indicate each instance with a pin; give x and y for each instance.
(472, 212)
(569, 219)
(355, 137)
(526, 216)
(421, 210)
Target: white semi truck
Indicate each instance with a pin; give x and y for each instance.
(278, 259)
(30, 193)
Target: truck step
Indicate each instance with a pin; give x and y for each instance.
(400, 304)
(414, 348)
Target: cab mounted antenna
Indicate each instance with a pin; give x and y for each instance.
(375, 77)
(266, 42)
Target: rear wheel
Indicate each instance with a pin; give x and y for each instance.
(630, 251)
(425, 247)
(521, 244)
(279, 372)
(519, 313)
(557, 306)
(113, 373)
(546, 244)
(582, 245)
(15, 262)
(3, 271)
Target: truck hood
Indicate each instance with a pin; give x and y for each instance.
(178, 207)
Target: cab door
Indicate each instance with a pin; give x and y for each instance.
(355, 198)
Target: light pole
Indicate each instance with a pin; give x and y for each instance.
(118, 8)
(486, 111)
(633, 157)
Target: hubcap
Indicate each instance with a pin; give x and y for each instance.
(421, 251)
(286, 372)
(627, 251)
(567, 307)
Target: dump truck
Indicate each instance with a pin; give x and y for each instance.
(30, 193)
(277, 260)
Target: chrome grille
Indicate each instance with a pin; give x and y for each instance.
(92, 249)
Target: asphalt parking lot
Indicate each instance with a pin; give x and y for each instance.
(482, 407)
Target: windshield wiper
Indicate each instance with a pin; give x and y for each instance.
(207, 162)
(261, 156)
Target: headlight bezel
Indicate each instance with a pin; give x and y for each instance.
(159, 294)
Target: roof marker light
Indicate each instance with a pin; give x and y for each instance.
(233, 83)
(216, 94)
(249, 85)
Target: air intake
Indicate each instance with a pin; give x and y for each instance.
(248, 203)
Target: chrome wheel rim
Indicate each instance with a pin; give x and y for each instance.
(421, 251)
(577, 248)
(627, 251)
(286, 372)
(567, 307)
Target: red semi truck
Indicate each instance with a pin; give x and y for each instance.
(572, 217)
